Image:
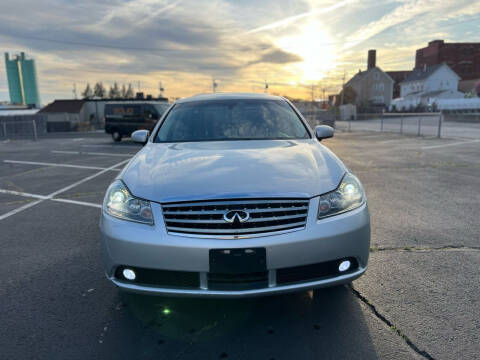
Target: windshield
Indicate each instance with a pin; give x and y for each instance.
(240, 119)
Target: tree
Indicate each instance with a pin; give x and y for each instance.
(87, 93)
(114, 92)
(123, 92)
(129, 94)
(99, 91)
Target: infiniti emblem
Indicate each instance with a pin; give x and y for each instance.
(236, 216)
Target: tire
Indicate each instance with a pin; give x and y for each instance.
(116, 136)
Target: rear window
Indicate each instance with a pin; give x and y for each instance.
(240, 119)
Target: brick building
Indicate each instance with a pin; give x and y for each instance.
(463, 58)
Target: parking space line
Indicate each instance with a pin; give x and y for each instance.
(19, 193)
(451, 144)
(55, 193)
(69, 201)
(21, 208)
(56, 164)
(46, 197)
(88, 153)
(88, 178)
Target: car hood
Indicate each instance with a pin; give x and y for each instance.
(232, 169)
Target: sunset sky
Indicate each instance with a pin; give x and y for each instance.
(290, 44)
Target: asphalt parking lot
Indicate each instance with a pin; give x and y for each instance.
(420, 297)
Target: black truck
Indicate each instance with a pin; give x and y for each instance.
(123, 118)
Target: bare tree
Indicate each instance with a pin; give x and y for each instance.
(99, 90)
(129, 94)
(114, 92)
(87, 93)
(123, 92)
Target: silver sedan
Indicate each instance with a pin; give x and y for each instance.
(234, 195)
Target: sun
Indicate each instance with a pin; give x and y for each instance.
(315, 46)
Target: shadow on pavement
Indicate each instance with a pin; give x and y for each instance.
(327, 323)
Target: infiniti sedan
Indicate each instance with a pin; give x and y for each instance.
(234, 195)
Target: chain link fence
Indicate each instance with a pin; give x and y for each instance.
(420, 124)
(22, 127)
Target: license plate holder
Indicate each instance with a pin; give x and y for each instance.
(238, 261)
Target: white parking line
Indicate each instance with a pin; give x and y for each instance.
(56, 164)
(21, 208)
(451, 144)
(19, 193)
(68, 201)
(97, 145)
(45, 197)
(55, 193)
(88, 153)
(87, 178)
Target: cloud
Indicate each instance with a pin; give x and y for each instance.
(408, 10)
(184, 43)
(291, 19)
(277, 56)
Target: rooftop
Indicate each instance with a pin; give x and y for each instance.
(63, 106)
(422, 73)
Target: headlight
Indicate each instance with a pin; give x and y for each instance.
(348, 196)
(121, 204)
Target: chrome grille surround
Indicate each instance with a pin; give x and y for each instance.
(206, 218)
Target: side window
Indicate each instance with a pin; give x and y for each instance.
(149, 112)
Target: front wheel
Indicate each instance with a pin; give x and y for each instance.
(116, 136)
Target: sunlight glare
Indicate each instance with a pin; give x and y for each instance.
(315, 46)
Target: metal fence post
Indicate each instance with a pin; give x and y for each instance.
(419, 125)
(34, 124)
(440, 120)
(401, 125)
(381, 122)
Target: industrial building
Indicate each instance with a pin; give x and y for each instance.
(463, 58)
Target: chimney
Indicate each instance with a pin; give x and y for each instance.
(372, 59)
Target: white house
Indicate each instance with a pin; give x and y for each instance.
(426, 85)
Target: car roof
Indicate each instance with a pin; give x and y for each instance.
(229, 96)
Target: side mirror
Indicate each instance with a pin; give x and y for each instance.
(140, 136)
(323, 132)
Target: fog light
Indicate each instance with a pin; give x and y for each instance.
(344, 266)
(129, 274)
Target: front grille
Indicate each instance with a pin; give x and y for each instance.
(231, 282)
(207, 217)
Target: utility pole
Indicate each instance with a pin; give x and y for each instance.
(214, 85)
(161, 88)
(74, 91)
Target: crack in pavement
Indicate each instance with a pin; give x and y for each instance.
(420, 249)
(397, 331)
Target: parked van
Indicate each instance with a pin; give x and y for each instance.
(123, 118)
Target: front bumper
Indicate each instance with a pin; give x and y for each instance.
(127, 243)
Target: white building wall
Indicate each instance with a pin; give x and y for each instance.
(442, 79)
